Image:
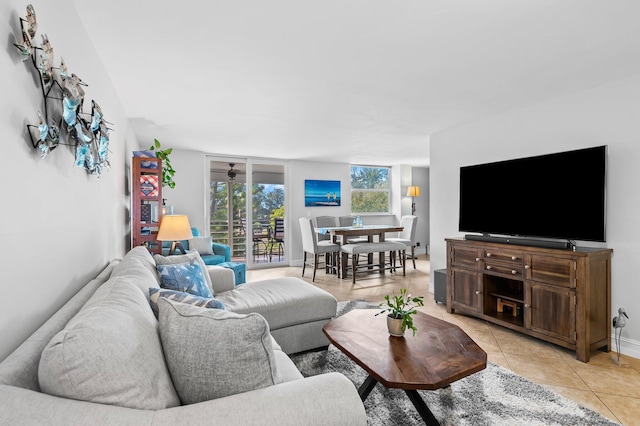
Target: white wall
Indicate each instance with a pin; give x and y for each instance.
(295, 209)
(60, 227)
(605, 115)
(420, 177)
(190, 195)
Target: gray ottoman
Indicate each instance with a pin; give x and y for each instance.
(295, 310)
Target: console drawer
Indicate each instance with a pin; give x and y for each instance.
(505, 257)
(551, 270)
(510, 270)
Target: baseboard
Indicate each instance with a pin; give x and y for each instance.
(627, 347)
(420, 250)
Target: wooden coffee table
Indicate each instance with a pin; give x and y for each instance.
(439, 354)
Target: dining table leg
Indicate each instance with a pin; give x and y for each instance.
(381, 254)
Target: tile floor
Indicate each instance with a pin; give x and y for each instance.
(601, 385)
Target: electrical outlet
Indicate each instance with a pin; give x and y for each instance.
(418, 244)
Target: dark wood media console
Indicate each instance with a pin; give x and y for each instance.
(560, 296)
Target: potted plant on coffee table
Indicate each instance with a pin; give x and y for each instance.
(399, 309)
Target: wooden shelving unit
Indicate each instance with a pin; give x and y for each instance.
(146, 203)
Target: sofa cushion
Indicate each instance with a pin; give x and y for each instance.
(187, 276)
(138, 255)
(182, 297)
(213, 353)
(181, 258)
(201, 244)
(110, 353)
(139, 266)
(284, 302)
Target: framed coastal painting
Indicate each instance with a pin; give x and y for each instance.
(321, 193)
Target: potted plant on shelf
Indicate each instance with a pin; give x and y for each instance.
(400, 310)
(167, 170)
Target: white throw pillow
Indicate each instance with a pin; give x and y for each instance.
(201, 244)
(212, 353)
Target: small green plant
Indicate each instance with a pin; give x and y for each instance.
(167, 170)
(402, 306)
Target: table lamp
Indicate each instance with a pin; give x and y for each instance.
(175, 227)
(413, 191)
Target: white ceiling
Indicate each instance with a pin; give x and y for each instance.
(361, 81)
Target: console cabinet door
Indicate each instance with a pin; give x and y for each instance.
(551, 310)
(464, 257)
(466, 290)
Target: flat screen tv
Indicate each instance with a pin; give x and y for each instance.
(554, 196)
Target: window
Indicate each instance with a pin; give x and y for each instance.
(369, 189)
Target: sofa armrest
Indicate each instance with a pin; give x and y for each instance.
(223, 279)
(326, 399)
(27, 407)
(222, 250)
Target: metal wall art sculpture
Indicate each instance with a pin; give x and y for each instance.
(63, 95)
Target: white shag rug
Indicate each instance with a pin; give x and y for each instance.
(494, 396)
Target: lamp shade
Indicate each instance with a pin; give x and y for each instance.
(413, 191)
(174, 227)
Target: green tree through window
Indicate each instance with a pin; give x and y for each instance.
(219, 199)
(369, 189)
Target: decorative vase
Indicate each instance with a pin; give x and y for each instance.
(394, 325)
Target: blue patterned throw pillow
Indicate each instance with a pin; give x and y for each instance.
(182, 297)
(187, 277)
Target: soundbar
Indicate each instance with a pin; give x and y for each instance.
(519, 241)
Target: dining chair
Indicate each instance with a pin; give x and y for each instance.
(256, 239)
(408, 235)
(311, 245)
(325, 222)
(348, 221)
(277, 238)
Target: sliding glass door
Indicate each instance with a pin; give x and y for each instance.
(251, 222)
(268, 213)
(227, 205)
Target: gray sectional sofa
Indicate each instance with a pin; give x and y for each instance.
(103, 358)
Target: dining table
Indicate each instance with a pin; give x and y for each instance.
(344, 232)
(340, 234)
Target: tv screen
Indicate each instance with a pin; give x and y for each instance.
(559, 196)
